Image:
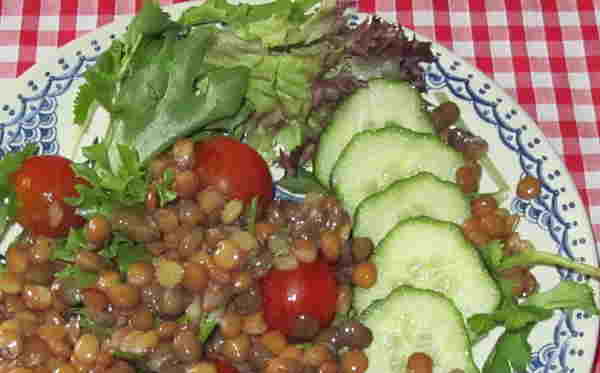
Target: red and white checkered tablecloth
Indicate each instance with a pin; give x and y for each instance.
(545, 53)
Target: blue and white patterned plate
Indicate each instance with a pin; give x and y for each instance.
(38, 108)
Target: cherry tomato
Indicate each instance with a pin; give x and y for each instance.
(224, 366)
(235, 168)
(311, 289)
(41, 184)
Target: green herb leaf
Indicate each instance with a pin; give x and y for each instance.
(83, 103)
(77, 277)
(10, 163)
(109, 188)
(67, 249)
(125, 251)
(160, 102)
(164, 188)
(86, 322)
(208, 324)
(129, 356)
(511, 317)
(567, 295)
(511, 353)
(133, 254)
(534, 257)
(303, 182)
(251, 214)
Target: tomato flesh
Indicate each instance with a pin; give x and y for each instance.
(310, 289)
(41, 184)
(235, 168)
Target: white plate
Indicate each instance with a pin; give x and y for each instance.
(37, 108)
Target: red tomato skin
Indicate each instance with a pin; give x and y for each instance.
(310, 289)
(224, 366)
(235, 168)
(39, 182)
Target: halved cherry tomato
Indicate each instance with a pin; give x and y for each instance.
(224, 366)
(235, 168)
(311, 289)
(41, 184)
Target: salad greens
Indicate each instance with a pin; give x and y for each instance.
(269, 73)
(512, 351)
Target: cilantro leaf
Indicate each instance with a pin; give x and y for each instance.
(83, 103)
(67, 249)
(125, 252)
(109, 189)
(208, 324)
(303, 182)
(77, 277)
(534, 257)
(10, 163)
(566, 295)
(137, 253)
(164, 188)
(511, 317)
(86, 322)
(511, 353)
(251, 214)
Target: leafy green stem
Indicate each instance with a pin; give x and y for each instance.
(535, 257)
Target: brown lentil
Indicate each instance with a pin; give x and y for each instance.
(254, 324)
(37, 298)
(330, 245)
(10, 283)
(124, 295)
(41, 250)
(187, 347)
(364, 275)
(354, 361)
(529, 187)
(238, 348)
(195, 276)
(140, 274)
(329, 366)
(419, 362)
(227, 255)
(209, 200)
(142, 320)
(274, 341)
(86, 349)
(97, 230)
(231, 325)
(483, 205)
(17, 259)
(283, 365)
(305, 250)
(186, 184)
(183, 153)
(467, 177)
(90, 261)
(316, 355)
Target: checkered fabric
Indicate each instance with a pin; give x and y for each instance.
(545, 53)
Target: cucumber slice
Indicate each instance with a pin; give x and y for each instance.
(376, 158)
(422, 194)
(431, 254)
(413, 320)
(381, 103)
